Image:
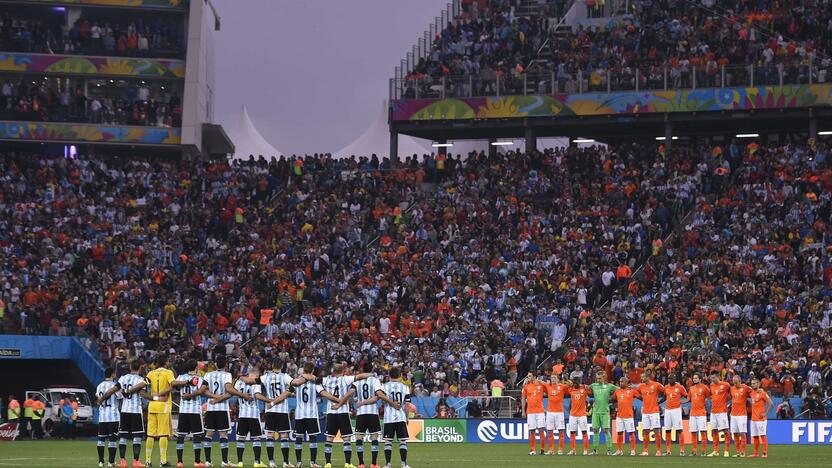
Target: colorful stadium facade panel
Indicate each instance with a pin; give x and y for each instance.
(616, 103)
(98, 66)
(177, 4)
(92, 133)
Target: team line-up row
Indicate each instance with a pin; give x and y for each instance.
(121, 422)
(598, 397)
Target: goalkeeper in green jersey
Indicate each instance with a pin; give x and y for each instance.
(601, 392)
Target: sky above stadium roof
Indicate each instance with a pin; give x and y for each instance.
(312, 73)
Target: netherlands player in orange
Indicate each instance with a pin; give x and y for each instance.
(719, 413)
(673, 413)
(650, 392)
(578, 395)
(698, 424)
(761, 404)
(555, 392)
(739, 414)
(531, 401)
(625, 415)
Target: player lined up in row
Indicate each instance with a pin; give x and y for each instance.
(598, 397)
(122, 422)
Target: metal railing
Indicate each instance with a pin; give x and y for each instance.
(604, 81)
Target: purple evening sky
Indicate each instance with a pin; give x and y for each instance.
(313, 73)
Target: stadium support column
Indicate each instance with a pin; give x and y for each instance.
(668, 133)
(531, 139)
(492, 148)
(813, 127)
(394, 148)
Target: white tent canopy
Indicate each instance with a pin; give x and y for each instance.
(376, 140)
(248, 140)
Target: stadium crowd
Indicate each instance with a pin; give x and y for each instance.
(357, 262)
(741, 287)
(56, 101)
(139, 38)
(684, 42)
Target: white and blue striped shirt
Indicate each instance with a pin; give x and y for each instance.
(399, 393)
(215, 381)
(131, 403)
(194, 405)
(108, 409)
(306, 395)
(274, 384)
(248, 409)
(338, 387)
(364, 390)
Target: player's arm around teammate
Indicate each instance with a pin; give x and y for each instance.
(531, 400)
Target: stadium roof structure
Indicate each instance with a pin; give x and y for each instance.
(248, 140)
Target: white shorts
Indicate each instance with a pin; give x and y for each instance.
(536, 421)
(698, 424)
(578, 424)
(625, 425)
(673, 419)
(554, 422)
(650, 421)
(719, 421)
(739, 424)
(758, 428)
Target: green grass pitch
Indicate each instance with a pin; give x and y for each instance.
(82, 453)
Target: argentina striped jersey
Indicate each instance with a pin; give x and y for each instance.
(131, 403)
(364, 390)
(108, 409)
(215, 381)
(248, 409)
(399, 393)
(338, 387)
(274, 384)
(194, 405)
(306, 395)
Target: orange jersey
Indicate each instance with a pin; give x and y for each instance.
(698, 396)
(556, 393)
(758, 405)
(624, 397)
(739, 400)
(719, 397)
(674, 394)
(578, 396)
(650, 396)
(534, 397)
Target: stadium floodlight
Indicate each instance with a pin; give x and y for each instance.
(502, 143)
(747, 135)
(663, 138)
(828, 132)
(583, 140)
(442, 145)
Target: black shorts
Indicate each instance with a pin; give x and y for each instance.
(339, 422)
(189, 424)
(107, 429)
(248, 427)
(396, 430)
(217, 421)
(307, 427)
(278, 422)
(131, 425)
(367, 423)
